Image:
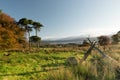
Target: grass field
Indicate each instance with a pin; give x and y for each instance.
(31, 66)
(50, 64)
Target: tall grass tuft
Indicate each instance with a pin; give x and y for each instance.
(95, 69)
(61, 74)
(82, 72)
(104, 69)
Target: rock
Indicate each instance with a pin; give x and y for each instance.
(72, 60)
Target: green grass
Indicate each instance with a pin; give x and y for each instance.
(86, 71)
(30, 66)
(95, 68)
(50, 64)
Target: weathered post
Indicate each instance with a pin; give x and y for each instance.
(88, 51)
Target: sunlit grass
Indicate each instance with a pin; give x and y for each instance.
(46, 65)
(27, 66)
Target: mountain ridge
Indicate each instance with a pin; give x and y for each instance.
(72, 39)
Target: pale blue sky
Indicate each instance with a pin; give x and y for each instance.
(64, 18)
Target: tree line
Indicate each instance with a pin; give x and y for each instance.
(13, 33)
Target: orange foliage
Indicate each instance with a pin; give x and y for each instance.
(10, 34)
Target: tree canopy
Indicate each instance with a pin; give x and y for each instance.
(116, 37)
(11, 35)
(104, 40)
(28, 25)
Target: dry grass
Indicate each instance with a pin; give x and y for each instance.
(97, 68)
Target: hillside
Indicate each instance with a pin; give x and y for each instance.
(66, 40)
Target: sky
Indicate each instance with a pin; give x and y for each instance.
(66, 18)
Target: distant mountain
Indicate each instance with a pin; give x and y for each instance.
(78, 40)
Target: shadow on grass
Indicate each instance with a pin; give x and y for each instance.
(53, 65)
(27, 73)
(47, 57)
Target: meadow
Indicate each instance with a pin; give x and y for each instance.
(50, 64)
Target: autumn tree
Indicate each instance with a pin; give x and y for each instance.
(11, 35)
